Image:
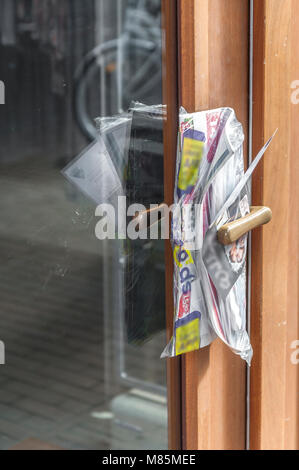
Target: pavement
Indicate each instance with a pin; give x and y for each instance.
(59, 316)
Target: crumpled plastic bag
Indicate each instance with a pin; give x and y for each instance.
(211, 189)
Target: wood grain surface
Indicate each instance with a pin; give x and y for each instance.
(274, 308)
(214, 57)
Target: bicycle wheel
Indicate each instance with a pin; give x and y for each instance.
(111, 76)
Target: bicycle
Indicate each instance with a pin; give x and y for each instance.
(123, 69)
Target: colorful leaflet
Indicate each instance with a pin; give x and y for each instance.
(210, 279)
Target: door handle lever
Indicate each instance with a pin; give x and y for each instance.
(149, 217)
(228, 233)
(232, 231)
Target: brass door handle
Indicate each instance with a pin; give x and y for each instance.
(232, 231)
(150, 216)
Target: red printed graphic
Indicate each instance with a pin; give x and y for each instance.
(213, 137)
(184, 308)
(186, 125)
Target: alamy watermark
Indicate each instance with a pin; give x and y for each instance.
(138, 222)
(295, 93)
(2, 92)
(295, 353)
(133, 222)
(2, 353)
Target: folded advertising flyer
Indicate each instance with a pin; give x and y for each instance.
(211, 189)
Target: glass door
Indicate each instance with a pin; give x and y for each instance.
(82, 320)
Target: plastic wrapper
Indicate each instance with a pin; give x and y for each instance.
(211, 189)
(209, 278)
(99, 170)
(115, 132)
(144, 273)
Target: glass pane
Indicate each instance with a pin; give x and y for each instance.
(82, 321)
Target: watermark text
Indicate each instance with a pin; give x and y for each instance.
(2, 353)
(295, 353)
(295, 94)
(2, 92)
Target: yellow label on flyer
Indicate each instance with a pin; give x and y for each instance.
(188, 337)
(182, 256)
(191, 158)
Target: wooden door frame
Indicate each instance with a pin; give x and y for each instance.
(207, 388)
(274, 407)
(170, 99)
(214, 51)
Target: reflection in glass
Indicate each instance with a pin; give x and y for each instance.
(80, 372)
